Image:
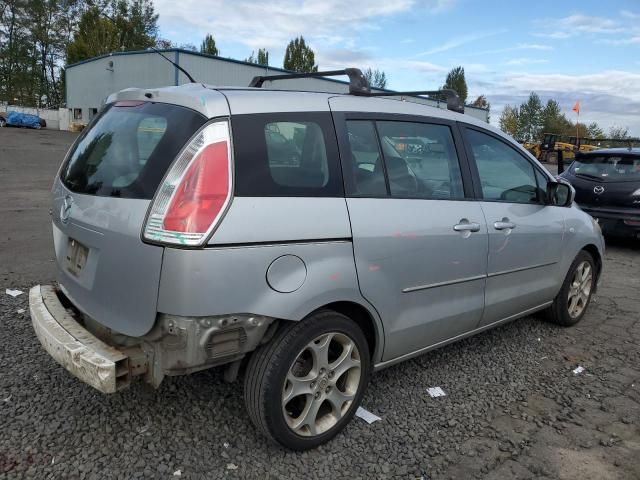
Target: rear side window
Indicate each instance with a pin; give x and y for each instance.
(127, 150)
(286, 154)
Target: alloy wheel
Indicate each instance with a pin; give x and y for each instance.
(580, 289)
(321, 384)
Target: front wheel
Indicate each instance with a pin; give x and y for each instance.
(304, 386)
(570, 305)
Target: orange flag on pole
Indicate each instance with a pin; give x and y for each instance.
(576, 108)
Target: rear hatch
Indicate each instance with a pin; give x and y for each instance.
(100, 201)
(607, 181)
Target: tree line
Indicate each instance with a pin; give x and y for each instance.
(39, 37)
(531, 120)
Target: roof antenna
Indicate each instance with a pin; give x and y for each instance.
(174, 64)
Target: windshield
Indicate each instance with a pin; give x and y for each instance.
(128, 149)
(607, 168)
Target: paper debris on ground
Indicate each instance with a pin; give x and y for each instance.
(578, 371)
(232, 466)
(366, 415)
(13, 293)
(177, 473)
(21, 310)
(226, 445)
(436, 392)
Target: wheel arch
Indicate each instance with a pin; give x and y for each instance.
(365, 319)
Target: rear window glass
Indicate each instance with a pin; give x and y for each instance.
(297, 154)
(607, 167)
(127, 150)
(286, 154)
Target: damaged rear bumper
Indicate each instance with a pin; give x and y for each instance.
(71, 345)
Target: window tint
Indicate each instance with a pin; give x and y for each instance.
(504, 174)
(127, 150)
(286, 154)
(421, 160)
(542, 183)
(366, 165)
(296, 154)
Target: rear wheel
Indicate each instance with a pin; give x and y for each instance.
(304, 386)
(575, 295)
(3, 122)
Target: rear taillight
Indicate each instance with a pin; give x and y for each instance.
(196, 192)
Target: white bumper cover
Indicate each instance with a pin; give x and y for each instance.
(72, 346)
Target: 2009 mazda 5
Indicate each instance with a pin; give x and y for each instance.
(310, 238)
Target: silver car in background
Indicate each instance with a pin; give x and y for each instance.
(306, 239)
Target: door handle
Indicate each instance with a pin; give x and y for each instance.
(504, 224)
(467, 227)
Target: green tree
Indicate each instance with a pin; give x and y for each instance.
(262, 58)
(510, 121)
(376, 78)
(121, 25)
(530, 116)
(594, 131)
(298, 57)
(619, 133)
(209, 46)
(456, 81)
(553, 120)
(482, 102)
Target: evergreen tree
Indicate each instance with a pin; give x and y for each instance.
(456, 81)
(209, 46)
(299, 57)
(262, 58)
(376, 78)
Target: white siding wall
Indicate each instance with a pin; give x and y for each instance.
(90, 83)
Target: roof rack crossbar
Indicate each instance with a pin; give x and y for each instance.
(453, 100)
(358, 84)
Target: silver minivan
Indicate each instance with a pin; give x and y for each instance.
(304, 239)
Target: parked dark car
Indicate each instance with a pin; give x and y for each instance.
(607, 184)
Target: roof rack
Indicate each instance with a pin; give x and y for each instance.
(359, 85)
(453, 100)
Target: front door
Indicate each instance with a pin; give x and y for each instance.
(525, 235)
(420, 246)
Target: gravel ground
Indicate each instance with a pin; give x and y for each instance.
(513, 409)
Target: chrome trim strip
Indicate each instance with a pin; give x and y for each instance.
(521, 269)
(406, 356)
(442, 284)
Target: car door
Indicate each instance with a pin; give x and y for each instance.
(420, 245)
(525, 234)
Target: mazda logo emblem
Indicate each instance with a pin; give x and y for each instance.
(598, 190)
(65, 210)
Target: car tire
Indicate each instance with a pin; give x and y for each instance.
(3, 123)
(325, 358)
(574, 298)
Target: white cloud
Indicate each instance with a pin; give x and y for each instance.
(630, 15)
(459, 41)
(520, 46)
(576, 24)
(273, 23)
(525, 61)
(609, 97)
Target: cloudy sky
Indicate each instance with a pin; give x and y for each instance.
(570, 50)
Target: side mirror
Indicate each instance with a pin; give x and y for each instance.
(560, 194)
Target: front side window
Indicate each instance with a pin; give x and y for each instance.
(421, 160)
(505, 175)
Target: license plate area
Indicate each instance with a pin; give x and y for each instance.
(76, 257)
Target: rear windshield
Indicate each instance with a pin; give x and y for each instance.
(127, 150)
(607, 167)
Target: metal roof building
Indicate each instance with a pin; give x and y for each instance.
(89, 83)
